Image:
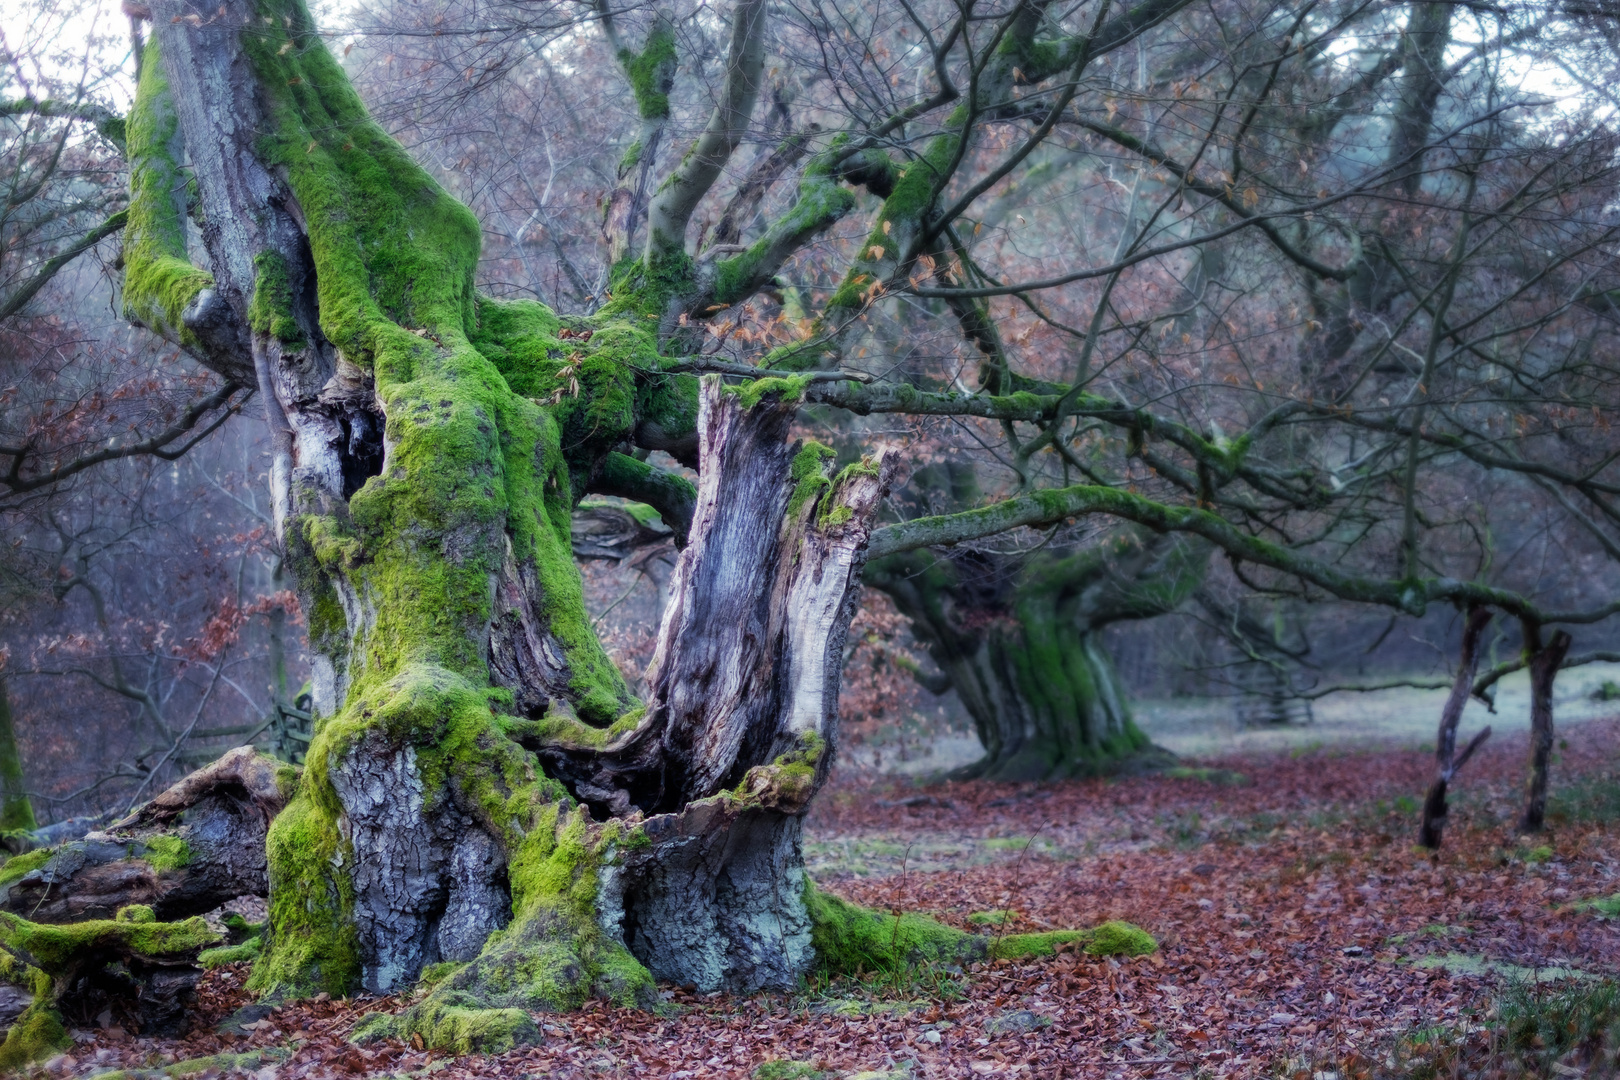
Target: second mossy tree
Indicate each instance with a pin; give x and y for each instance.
(1019, 638)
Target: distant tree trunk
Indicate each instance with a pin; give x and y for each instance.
(1046, 701)
(1447, 760)
(1021, 642)
(1544, 664)
(16, 812)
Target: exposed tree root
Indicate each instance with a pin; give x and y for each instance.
(140, 972)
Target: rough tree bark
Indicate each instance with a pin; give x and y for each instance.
(1544, 663)
(1447, 760)
(1020, 641)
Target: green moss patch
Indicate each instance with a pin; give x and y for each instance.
(212, 1064)
(789, 1070)
(166, 853)
(851, 940)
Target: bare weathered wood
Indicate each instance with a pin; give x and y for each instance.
(1447, 761)
(1544, 664)
(749, 651)
(189, 850)
(742, 707)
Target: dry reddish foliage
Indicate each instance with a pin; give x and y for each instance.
(1293, 910)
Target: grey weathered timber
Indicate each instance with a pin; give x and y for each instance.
(220, 815)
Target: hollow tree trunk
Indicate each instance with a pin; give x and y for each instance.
(1021, 642)
(1544, 664)
(481, 787)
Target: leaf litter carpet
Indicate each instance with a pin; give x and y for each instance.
(1296, 919)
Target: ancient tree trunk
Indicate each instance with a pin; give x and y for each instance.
(1020, 641)
(1046, 700)
(1544, 664)
(1447, 760)
(16, 812)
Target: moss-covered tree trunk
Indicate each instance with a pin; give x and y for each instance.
(1019, 639)
(16, 812)
(482, 788)
(484, 804)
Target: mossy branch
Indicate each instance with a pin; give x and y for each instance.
(160, 283)
(1051, 507)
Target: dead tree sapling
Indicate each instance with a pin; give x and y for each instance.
(1544, 663)
(1447, 760)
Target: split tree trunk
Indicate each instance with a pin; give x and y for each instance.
(1544, 664)
(481, 787)
(1447, 760)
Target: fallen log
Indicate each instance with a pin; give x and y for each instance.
(186, 852)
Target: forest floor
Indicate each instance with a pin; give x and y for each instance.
(1301, 934)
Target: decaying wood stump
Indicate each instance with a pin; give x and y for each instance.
(189, 850)
(107, 929)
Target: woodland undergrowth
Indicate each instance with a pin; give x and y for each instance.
(1301, 935)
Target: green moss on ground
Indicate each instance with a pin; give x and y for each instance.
(213, 1064)
(231, 954)
(35, 1035)
(851, 940)
(789, 1070)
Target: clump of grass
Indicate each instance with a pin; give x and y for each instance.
(1591, 800)
(1535, 1030)
(1576, 1025)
